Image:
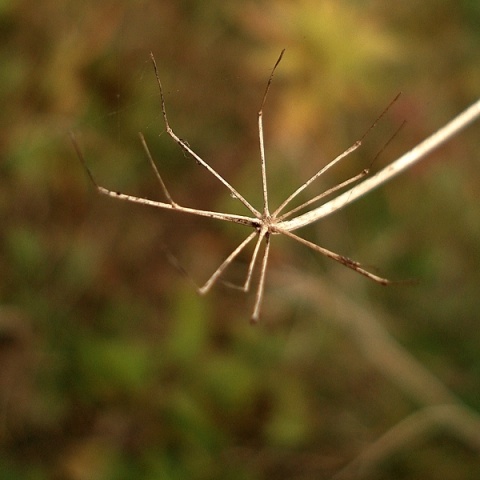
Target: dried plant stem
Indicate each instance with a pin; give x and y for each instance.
(460, 421)
(396, 167)
(439, 407)
(365, 327)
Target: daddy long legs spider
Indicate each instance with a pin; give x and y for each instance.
(266, 224)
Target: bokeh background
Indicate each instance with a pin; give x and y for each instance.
(111, 366)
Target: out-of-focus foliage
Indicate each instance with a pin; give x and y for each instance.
(110, 365)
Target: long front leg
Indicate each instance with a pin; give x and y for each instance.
(186, 148)
(261, 281)
(348, 262)
(251, 222)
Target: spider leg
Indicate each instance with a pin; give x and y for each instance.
(211, 281)
(241, 219)
(246, 286)
(157, 173)
(261, 282)
(325, 194)
(348, 262)
(318, 174)
(266, 212)
(347, 182)
(186, 148)
(251, 266)
(335, 160)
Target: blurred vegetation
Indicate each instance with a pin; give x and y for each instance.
(111, 366)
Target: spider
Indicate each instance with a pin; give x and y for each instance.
(265, 223)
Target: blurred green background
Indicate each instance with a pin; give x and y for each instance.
(111, 366)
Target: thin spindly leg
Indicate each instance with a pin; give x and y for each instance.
(266, 212)
(186, 148)
(241, 219)
(216, 275)
(157, 173)
(325, 194)
(318, 174)
(348, 262)
(334, 161)
(246, 286)
(344, 184)
(261, 281)
(253, 260)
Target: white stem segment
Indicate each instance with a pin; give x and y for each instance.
(402, 163)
